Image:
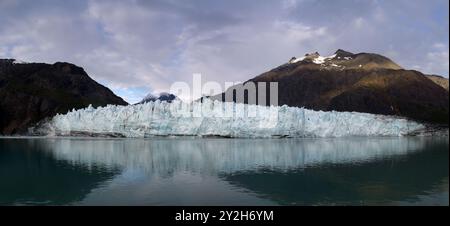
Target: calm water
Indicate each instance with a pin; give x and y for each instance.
(192, 171)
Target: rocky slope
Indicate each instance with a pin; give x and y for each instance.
(30, 92)
(439, 80)
(363, 82)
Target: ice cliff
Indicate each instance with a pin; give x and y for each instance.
(213, 118)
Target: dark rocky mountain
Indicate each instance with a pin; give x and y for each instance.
(168, 97)
(30, 92)
(363, 82)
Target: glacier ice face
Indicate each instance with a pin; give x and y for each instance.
(214, 118)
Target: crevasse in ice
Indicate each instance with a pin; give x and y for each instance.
(214, 118)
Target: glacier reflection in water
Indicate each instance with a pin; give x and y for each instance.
(212, 171)
(213, 156)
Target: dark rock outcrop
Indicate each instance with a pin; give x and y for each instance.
(34, 91)
(363, 82)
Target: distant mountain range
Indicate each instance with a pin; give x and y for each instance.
(30, 92)
(363, 82)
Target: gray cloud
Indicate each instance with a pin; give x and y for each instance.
(148, 45)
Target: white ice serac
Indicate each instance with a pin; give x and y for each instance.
(249, 121)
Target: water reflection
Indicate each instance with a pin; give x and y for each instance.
(27, 176)
(228, 171)
(213, 156)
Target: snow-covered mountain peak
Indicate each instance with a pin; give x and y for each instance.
(342, 60)
(163, 96)
(315, 58)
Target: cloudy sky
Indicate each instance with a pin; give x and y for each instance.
(135, 47)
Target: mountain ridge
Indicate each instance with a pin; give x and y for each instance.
(440, 80)
(363, 82)
(31, 92)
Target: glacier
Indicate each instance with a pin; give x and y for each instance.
(224, 119)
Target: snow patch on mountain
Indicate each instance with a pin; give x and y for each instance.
(314, 57)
